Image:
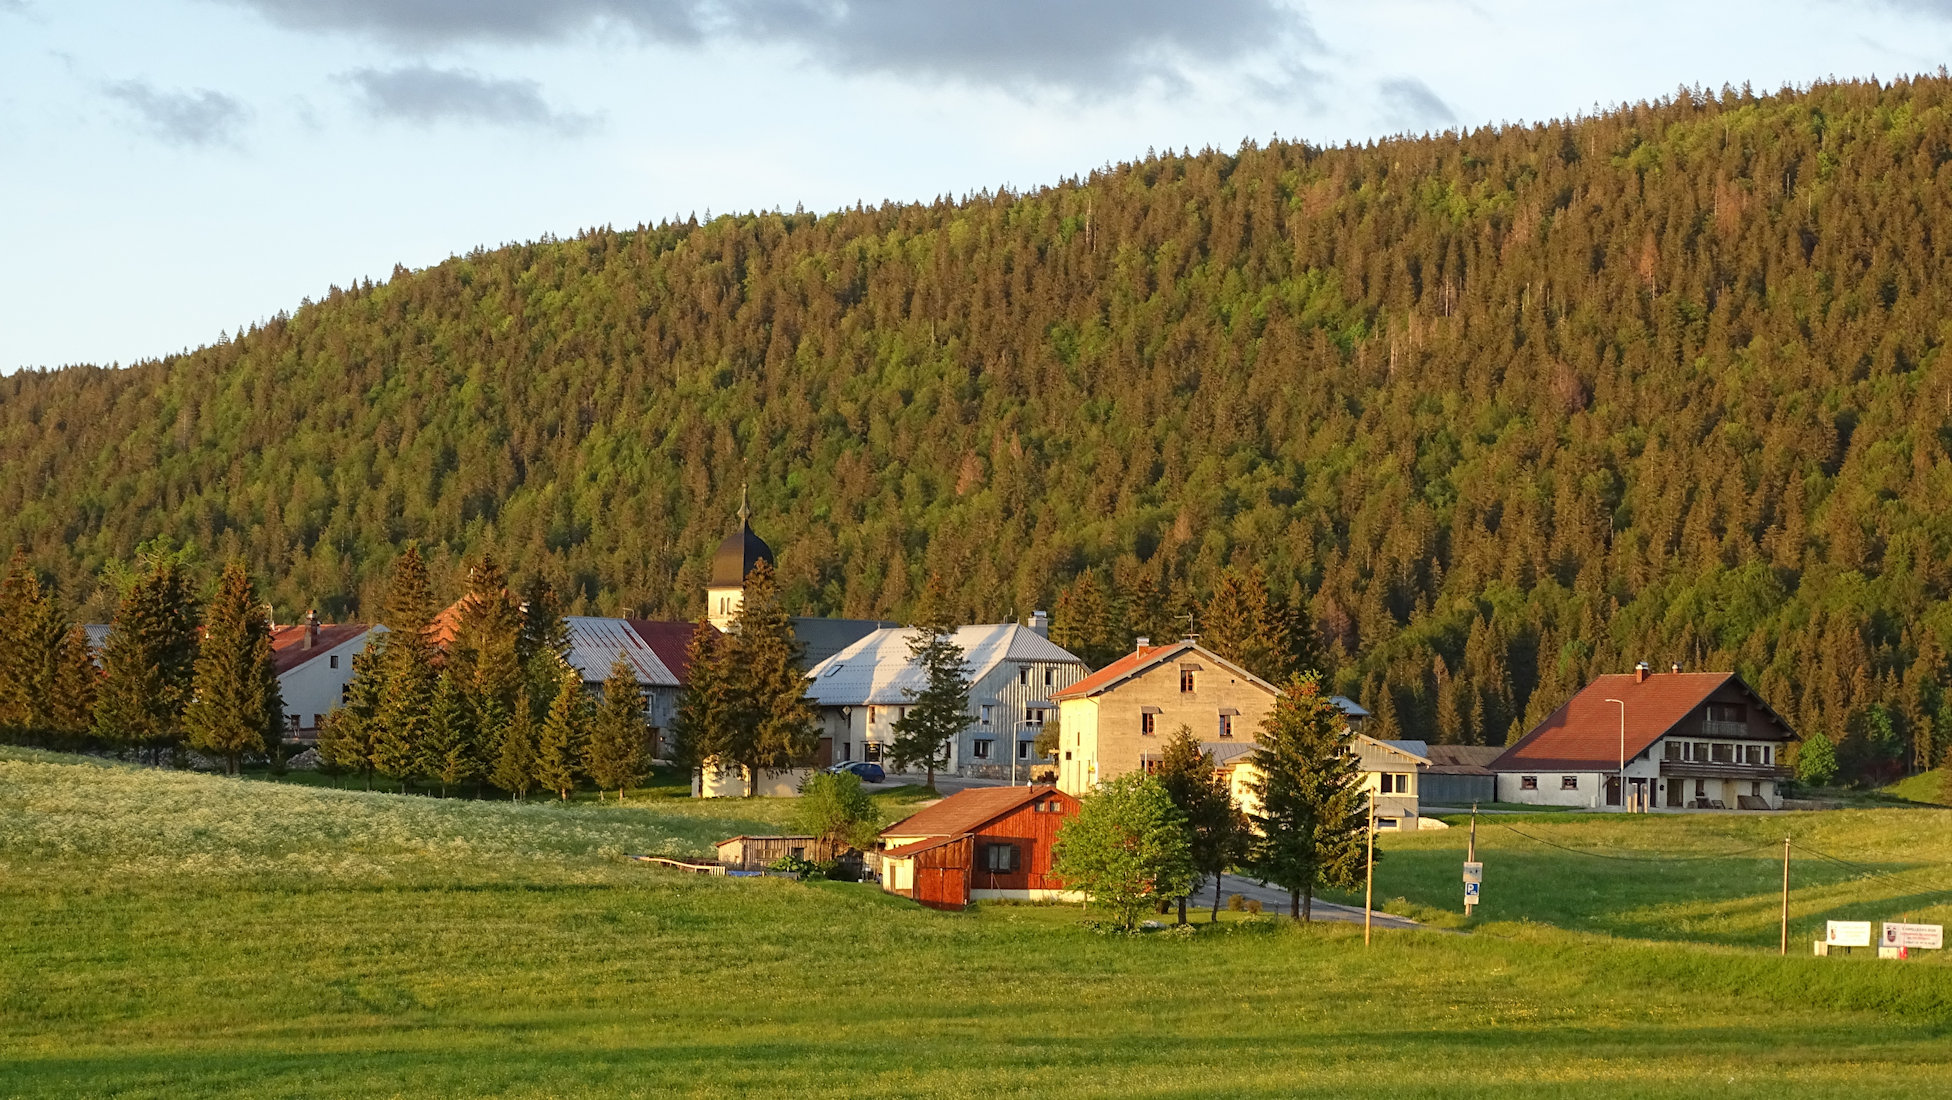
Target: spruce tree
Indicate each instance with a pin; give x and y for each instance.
(149, 660)
(1085, 623)
(617, 759)
(347, 740)
(453, 756)
(39, 693)
(484, 662)
(560, 749)
(1241, 623)
(404, 732)
(237, 708)
(1216, 831)
(939, 709)
(1311, 816)
(701, 732)
(773, 721)
(514, 769)
(543, 643)
(74, 684)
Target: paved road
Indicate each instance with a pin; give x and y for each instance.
(1275, 901)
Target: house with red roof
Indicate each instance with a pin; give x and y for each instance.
(976, 844)
(1648, 741)
(314, 663)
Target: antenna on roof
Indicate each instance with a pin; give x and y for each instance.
(1189, 627)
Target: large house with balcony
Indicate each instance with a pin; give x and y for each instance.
(1689, 741)
(1014, 671)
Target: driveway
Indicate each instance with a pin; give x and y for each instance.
(1275, 901)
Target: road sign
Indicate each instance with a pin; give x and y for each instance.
(1847, 933)
(1474, 873)
(1925, 937)
(1470, 893)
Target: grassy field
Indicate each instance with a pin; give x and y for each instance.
(176, 935)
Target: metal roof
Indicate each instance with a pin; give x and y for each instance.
(877, 669)
(594, 644)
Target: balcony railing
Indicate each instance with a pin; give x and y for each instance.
(1713, 728)
(1702, 769)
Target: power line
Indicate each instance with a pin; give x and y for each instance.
(1677, 858)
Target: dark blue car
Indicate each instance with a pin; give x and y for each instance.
(869, 773)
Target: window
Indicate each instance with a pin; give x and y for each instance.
(1226, 725)
(1568, 782)
(1033, 715)
(1023, 749)
(1674, 750)
(871, 752)
(1724, 753)
(847, 750)
(1067, 754)
(901, 714)
(1145, 723)
(1386, 823)
(1700, 752)
(333, 660)
(980, 749)
(1050, 676)
(1000, 859)
(832, 669)
(1385, 783)
(1755, 788)
(874, 715)
(318, 720)
(1528, 782)
(987, 708)
(1186, 681)
(1754, 754)
(1023, 675)
(1727, 712)
(1701, 788)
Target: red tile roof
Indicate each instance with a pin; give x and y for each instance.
(288, 649)
(670, 641)
(966, 811)
(1585, 732)
(1114, 672)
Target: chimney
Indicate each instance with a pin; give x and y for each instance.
(1040, 624)
(1143, 642)
(1675, 668)
(1641, 672)
(311, 629)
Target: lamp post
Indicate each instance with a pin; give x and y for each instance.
(1622, 775)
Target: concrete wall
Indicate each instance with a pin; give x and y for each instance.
(1103, 735)
(713, 781)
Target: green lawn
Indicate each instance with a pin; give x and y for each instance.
(176, 935)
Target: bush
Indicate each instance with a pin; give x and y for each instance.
(798, 866)
(1253, 907)
(1235, 903)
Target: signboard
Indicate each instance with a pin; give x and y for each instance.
(1925, 937)
(1470, 893)
(1847, 933)
(1474, 873)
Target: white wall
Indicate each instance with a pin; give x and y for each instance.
(316, 688)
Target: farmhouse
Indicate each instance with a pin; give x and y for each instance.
(314, 663)
(1117, 719)
(1691, 741)
(985, 842)
(1013, 670)
(1390, 771)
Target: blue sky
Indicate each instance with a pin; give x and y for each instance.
(174, 169)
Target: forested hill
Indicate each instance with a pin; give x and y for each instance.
(1508, 407)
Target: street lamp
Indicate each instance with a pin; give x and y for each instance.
(1622, 776)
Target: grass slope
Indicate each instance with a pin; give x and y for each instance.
(176, 935)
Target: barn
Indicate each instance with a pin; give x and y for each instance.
(985, 842)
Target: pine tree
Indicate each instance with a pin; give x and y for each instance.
(560, 750)
(939, 709)
(39, 693)
(617, 759)
(1216, 831)
(453, 754)
(1311, 809)
(149, 660)
(773, 721)
(74, 684)
(1084, 622)
(404, 730)
(514, 769)
(484, 659)
(236, 708)
(347, 740)
(701, 731)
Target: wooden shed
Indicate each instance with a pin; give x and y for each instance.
(757, 853)
(986, 842)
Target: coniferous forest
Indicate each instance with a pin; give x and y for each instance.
(1483, 413)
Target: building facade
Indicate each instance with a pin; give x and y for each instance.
(1013, 669)
(314, 663)
(981, 843)
(1689, 741)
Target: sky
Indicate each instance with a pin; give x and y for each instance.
(172, 170)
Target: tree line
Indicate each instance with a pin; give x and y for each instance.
(1493, 411)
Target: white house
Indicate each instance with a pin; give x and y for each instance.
(314, 663)
(1013, 670)
(1689, 741)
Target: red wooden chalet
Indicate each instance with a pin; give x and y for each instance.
(985, 842)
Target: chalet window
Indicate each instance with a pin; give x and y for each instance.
(987, 708)
(1528, 782)
(1186, 681)
(1752, 754)
(980, 749)
(1023, 675)
(1385, 783)
(1734, 713)
(1145, 723)
(1050, 676)
(1000, 859)
(1724, 753)
(1700, 752)
(1568, 782)
(333, 660)
(1674, 750)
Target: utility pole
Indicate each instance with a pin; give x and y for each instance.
(1623, 753)
(1784, 950)
(1369, 875)
(1471, 856)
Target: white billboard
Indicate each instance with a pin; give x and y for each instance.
(1847, 933)
(1925, 937)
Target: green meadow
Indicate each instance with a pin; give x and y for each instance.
(178, 935)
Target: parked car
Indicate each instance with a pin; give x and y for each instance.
(869, 773)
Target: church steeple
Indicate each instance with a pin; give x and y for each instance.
(736, 556)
